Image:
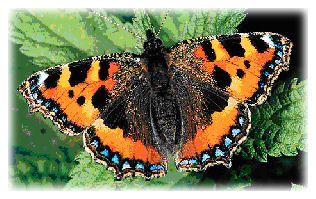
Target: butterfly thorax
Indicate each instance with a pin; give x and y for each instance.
(156, 62)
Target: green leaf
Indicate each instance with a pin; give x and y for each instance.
(33, 169)
(206, 22)
(278, 126)
(39, 41)
(61, 36)
(191, 181)
(110, 38)
(30, 27)
(91, 175)
(240, 177)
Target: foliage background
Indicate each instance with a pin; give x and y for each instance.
(41, 157)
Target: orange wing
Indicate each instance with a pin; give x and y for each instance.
(215, 142)
(73, 95)
(244, 65)
(228, 72)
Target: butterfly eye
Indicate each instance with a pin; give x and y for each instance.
(159, 42)
(150, 35)
(145, 44)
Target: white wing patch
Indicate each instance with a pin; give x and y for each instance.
(268, 40)
(42, 77)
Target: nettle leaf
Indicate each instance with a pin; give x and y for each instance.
(204, 23)
(61, 36)
(34, 169)
(110, 37)
(91, 175)
(39, 41)
(278, 126)
(240, 177)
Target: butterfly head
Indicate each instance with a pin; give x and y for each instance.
(152, 45)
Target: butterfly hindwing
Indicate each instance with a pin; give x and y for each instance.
(215, 142)
(214, 123)
(123, 137)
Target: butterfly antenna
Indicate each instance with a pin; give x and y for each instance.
(163, 21)
(113, 22)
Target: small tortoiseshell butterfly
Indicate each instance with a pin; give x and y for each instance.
(189, 100)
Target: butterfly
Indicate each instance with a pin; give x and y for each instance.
(189, 100)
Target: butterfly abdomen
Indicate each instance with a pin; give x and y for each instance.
(166, 120)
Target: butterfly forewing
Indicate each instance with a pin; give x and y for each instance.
(244, 65)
